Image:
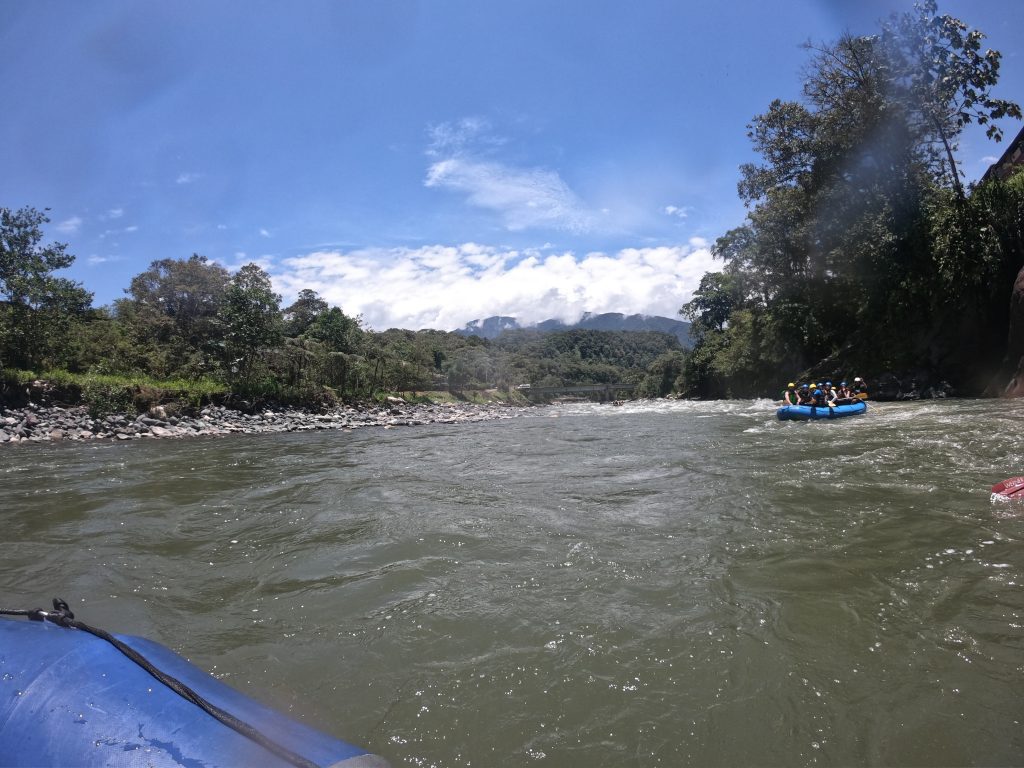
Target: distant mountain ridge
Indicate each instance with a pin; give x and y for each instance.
(492, 327)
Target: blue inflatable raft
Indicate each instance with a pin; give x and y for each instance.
(811, 412)
(70, 698)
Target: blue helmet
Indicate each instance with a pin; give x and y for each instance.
(842, 383)
(817, 392)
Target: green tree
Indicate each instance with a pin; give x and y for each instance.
(103, 344)
(938, 73)
(172, 309)
(712, 303)
(851, 234)
(662, 376)
(303, 312)
(250, 318)
(37, 309)
(338, 331)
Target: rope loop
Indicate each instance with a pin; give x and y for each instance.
(63, 616)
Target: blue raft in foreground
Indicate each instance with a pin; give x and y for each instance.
(809, 412)
(71, 699)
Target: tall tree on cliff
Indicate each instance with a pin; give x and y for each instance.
(936, 70)
(838, 245)
(37, 308)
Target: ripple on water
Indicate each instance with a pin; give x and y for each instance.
(652, 584)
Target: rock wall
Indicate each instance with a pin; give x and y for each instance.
(910, 386)
(1015, 341)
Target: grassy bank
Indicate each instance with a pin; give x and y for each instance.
(104, 394)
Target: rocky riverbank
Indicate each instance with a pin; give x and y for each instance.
(50, 423)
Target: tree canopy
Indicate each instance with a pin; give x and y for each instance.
(37, 307)
(860, 247)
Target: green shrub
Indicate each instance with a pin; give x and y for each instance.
(105, 395)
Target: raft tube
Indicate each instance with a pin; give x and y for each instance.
(810, 412)
(69, 698)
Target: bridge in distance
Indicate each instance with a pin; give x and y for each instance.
(602, 391)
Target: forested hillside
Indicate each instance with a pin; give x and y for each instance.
(189, 325)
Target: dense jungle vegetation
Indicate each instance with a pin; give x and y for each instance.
(187, 327)
(862, 250)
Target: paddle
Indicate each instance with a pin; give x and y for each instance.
(1011, 488)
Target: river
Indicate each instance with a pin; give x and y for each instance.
(670, 583)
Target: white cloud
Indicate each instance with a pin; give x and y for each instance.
(70, 225)
(241, 258)
(115, 213)
(96, 259)
(187, 178)
(115, 232)
(677, 211)
(445, 287)
(454, 137)
(264, 232)
(524, 197)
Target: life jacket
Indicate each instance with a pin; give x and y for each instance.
(789, 397)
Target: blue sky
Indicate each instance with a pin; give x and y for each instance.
(420, 163)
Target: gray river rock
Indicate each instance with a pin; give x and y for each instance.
(41, 424)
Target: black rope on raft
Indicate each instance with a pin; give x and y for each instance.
(61, 615)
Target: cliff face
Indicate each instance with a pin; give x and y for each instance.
(1015, 342)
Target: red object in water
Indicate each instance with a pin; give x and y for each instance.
(1013, 487)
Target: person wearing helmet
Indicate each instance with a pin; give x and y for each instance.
(818, 397)
(860, 388)
(831, 396)
(803, 395)
(845, 394)
(789, 396)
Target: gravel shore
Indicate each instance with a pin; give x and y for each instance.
(47, 424)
